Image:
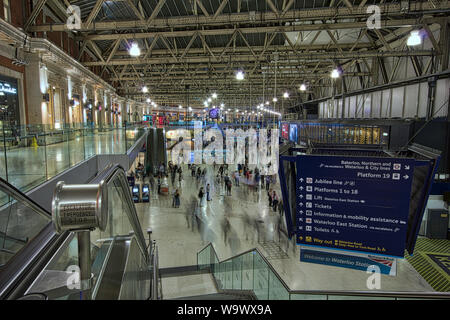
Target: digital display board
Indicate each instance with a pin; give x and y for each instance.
(354, 203)
(285, 130)
(293, 132)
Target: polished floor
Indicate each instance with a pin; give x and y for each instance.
(252, 224)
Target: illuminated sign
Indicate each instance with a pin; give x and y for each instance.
(6, 87)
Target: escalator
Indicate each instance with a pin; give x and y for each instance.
(39, 259)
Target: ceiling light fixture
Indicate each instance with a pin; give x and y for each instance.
(335, 73)
(414, 38)
(302, 87)
(134, 50)
(240, 75)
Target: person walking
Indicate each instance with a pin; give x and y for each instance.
(201, 193)
(159, 185)
(193, 170)
(176, 198)
(161, 170)
(226, 226)
(267, 182)
(208, 192)
(229, 184)
(180, 174)
(199, 172)
(257, 178)
(274, 200)
(236, 178)
(269, 195)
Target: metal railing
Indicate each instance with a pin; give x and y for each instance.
(239, 273)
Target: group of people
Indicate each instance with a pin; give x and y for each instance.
(274, 200)
(173, 170)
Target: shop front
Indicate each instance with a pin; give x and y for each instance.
(9, 105)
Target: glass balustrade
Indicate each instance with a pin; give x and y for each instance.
(19, 223)
(251, 271)
(33, 154)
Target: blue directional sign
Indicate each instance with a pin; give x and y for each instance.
(354, 203)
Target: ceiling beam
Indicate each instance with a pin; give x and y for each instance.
(246, 58)
(36, 10)
(249, 30)
(94, 13)
(155, 12)
(200, 4)
(387, 10)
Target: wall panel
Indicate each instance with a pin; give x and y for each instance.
(411, 101)
(397, 102)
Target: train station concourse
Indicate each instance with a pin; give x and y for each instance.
(204, 150)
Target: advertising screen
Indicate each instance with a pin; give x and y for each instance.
(293, 132)
(285, 130)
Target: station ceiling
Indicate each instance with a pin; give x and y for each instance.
(192, 48)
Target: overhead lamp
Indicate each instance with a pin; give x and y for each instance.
(335, 73)
(214, 95)
(205, 103)
(286, 95)
(222, 105)
(267, 102)
(144, 89)
(134, 50)
(209, 99)
(302, 87)
(274, 99)
(240, 75)
(180, 107)
(190, 109)
(414, 38)
(149, 100)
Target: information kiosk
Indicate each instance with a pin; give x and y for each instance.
(145, 193)
(136, 193)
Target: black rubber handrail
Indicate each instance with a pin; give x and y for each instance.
(18, 195)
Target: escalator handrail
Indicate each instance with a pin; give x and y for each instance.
(108, 175)
(18, 195)
(396, 294)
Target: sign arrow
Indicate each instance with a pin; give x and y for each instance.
(300, 204)
(405, 176)
(301, 196)
(301, 179)
(301, 188)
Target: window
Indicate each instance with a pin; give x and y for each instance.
(6, 10)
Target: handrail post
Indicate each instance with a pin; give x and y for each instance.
(84, 262)
(149, 232)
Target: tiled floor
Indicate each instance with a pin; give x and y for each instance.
(180, 236)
